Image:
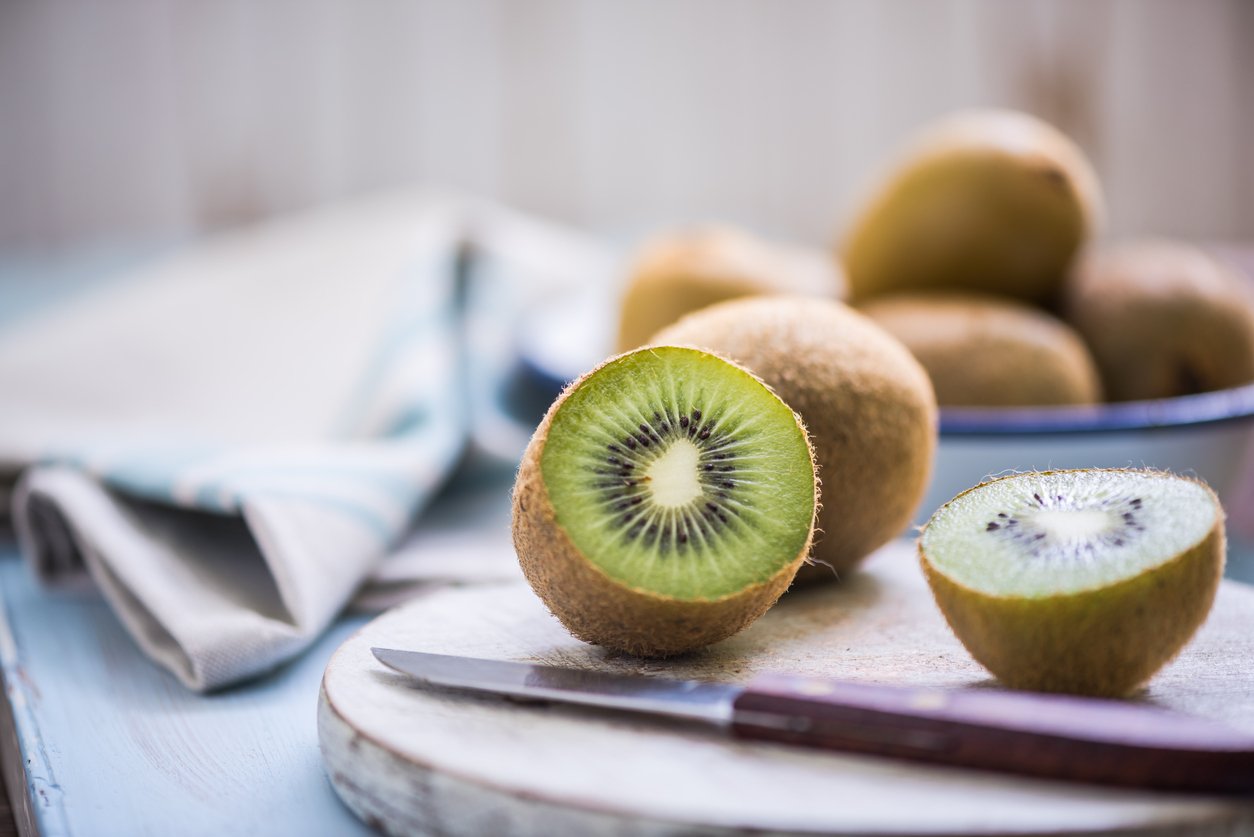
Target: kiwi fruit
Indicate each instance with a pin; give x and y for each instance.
(1084, 581)
(1162, 319)
(665, 502)
(991, 201)
(985, 351)
(688, 269)
(867, 402)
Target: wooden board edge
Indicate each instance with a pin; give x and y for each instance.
(412, 798)
(415, 797)
(12, 772)
(34, 795)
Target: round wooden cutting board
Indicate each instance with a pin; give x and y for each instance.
(412, 760)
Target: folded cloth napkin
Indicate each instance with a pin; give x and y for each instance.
(227, 443)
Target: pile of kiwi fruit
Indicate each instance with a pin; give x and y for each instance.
(767, 422)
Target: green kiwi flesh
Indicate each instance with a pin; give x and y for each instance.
(665, 501)
(1084, 581)
(866, 401)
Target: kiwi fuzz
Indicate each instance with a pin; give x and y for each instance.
(1091, 637)
(620, 613)
(986, 351)
(867, 402)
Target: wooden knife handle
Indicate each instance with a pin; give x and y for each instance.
(1068, 738)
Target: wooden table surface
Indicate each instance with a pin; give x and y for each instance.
(106, 742)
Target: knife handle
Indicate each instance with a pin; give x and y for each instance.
(1067, 738)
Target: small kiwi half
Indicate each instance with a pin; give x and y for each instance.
(986, 351)
(867, 403)
(1163, 319)
(665, 502)
(1076, 581)
(991, 201)
(687, 269)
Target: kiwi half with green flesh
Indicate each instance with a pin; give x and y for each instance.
(665, 502)
(867, 402)
(986, 351)
(990, 201)
(1076, 581)
(688, 269)
(1162, 319)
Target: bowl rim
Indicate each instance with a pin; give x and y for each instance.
(1220, 406)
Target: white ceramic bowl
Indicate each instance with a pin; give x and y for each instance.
(1204, 435)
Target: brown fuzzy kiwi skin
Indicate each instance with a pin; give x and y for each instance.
(604, 611)
(1162, 319)
(986, 351)
(991, 201)
(689, 269)
(1102, 642)
(867, 402)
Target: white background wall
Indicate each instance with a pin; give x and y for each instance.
(156, 116)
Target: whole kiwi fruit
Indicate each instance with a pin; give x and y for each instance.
(689, 268)
(1084, 581)
(986, 351)
(665, 502)
(867, 402)
(1162, 319)
(992, 201)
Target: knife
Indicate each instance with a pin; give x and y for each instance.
(1050, 736)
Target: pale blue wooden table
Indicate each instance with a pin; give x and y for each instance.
(105, 742)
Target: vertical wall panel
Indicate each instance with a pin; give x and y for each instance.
(159, 116)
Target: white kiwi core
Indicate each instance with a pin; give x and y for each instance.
(672, 477)
(1035, 535)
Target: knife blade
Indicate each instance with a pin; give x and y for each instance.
(1048, 736)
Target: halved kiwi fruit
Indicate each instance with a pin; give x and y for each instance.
(1076, 581)
(867, 402)
(1163, 319)
(992, 201)
(986, 351)
(665, 502)
(687, 269)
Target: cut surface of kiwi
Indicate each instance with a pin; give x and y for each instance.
(866, 401)
(664, 502)
(1076, 581)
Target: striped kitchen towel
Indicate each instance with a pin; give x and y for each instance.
(228, 442)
